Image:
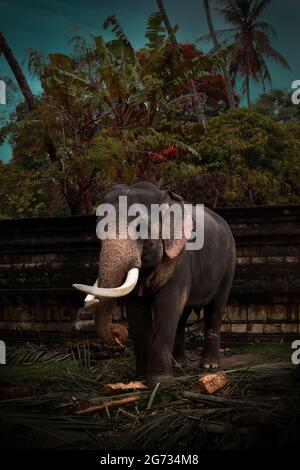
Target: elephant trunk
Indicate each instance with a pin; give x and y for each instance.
(117, 257)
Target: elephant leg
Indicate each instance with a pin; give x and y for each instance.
(211, 351)
(165, 319)
(213, 315)
(179, 347)
(139, 316)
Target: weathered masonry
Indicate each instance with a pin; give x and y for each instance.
(40, 258)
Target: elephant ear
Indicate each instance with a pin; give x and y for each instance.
(172, 245)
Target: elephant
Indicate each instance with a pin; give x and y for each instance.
(161, 282)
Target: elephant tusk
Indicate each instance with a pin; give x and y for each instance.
(90, 301)
(126, 288)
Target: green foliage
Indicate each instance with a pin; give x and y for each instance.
(102, 113)
(246, 159)
(108, 113)
(117, 29)
(242, 139)
(278, 105)
(156, 32)
(27, 192)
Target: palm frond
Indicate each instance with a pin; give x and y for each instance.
(211, 421)
(219, 33)
(113, 22)
(155, 31)
(120, 48)
(258, 7)
(264, 47)
(42, 427)
(32, 354)
(264, 398)
(266, 27)
(234, 11)
(159, 140)
(36, 62)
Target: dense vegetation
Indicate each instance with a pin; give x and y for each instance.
(110, 113)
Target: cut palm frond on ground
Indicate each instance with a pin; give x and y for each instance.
(257, 408)
(32, 353)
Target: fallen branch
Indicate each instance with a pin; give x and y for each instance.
(109, 404)
(110, 389)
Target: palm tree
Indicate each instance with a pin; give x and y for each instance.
(217, 47)
(17, 71)
(251, 46)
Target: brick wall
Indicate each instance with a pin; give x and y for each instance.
(40, 258)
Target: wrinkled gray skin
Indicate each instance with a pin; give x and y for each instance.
(172, 282)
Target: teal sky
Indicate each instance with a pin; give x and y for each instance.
(47, 25)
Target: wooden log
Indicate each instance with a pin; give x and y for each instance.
(110, 389)
(211, 383)
(109, 404)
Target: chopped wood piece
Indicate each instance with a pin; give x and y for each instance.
(109, 404)
(211, 383)
(110, 389)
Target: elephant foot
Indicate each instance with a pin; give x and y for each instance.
(210, 360)
(164, 380)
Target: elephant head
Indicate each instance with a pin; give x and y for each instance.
(124, 263)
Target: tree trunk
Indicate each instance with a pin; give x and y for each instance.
(248, 91)
(16, 69)
(198, 105)
(228, 85)
(166, 20)
(199, 108)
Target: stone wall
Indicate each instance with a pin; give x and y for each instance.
(265, 298)
(40, 258)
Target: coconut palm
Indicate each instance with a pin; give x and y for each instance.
(228, 85)
(251, 46)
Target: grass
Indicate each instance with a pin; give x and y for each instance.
(41, 370)
(123, 368)
(266, 352)
(36, 373)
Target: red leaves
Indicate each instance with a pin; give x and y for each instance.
(171, 152)
(143, 56)
(149, 164)
(189, 51)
